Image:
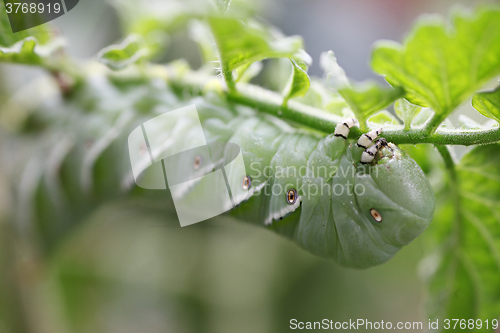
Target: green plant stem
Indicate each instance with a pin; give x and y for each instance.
(433, 123)
(454, 191)
(271, 102)
(228, 77)
(444, 136)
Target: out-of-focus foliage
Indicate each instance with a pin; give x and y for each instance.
(241, 43)
(7, 38)
(299, 82)
(131, 50)
(68, 272)
(464, 271)
(34, 46)
(406, 111)
(488, 104)
(384, 119)
(439, 66)
(364, 98)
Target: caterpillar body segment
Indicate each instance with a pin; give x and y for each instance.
(342, 129)
(370, 153)
(366, 139)
(314, 190)
(324, 193)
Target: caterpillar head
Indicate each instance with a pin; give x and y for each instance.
(394, 204)
(399, 180)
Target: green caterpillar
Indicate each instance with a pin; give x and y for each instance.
(358, 204)
(355, 203)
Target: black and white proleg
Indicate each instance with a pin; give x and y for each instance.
(342, 129)
(369, 154)
(366, 140)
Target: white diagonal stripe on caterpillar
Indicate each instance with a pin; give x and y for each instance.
(366, 140)
(284, 211)
(369, 154)
(342, 129)
(246, 196)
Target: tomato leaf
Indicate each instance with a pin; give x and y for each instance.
(132, 50)
(35, 46)
(439, 66)
(383, 118)
(241, 43)
(365, 98)
(299, 81)
(406, 111)
(463, 271)
(488, 104)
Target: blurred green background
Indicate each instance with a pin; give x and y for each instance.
(130, 267)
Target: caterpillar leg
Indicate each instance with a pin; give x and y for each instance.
(343, 129)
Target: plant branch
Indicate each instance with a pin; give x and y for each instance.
(271, 102)
(228, 77)
(454, 190)
(433, 123)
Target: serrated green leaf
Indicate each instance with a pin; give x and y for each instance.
(488, 104)
(383, 118)
(335, 75)
(406, 111)
(319, 96)
(239, 43)
(369, 97)
(299, 81)
(29, 51)
(440, 67)
(30, 47)
(364, 98)
(132, 50)
(42, 33)
(464, 271)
